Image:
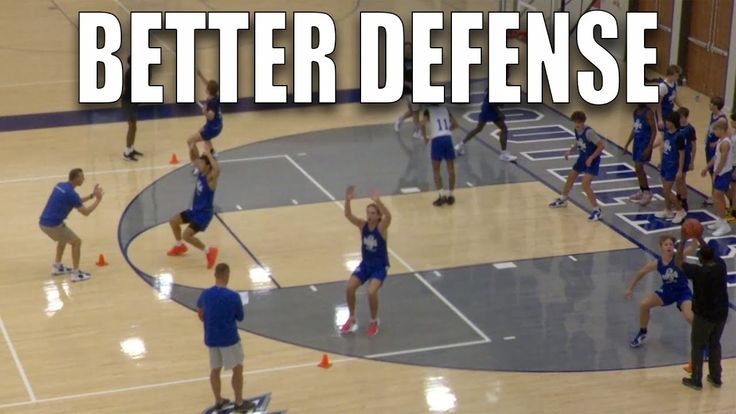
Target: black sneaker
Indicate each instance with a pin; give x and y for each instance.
(245, 407)
(129, 157)
(450, 200)
(440, 201)
(137, 154)
(690, 383)
(715, 383)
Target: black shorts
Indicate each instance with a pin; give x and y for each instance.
(186, 220)
(130, 110)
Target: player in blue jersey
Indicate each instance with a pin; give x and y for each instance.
(667, 95)
(436, 126)
(200, 214)
(643, 134)
(489, 113)
(213, 115)
(674, 289)
(673, 163)
(62, 200)
(688, 132)
(590, 146)
(374, 253)
(716, 113)
(721, 164)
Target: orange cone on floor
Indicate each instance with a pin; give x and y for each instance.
(325, 363)
(101, 261)
(173, 160)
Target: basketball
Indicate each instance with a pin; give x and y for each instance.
(692, 228)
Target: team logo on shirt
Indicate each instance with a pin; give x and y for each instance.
(370, 243)
(581, 145)
(669, 276)
(199, 187)
(638, 126)
(667, 147)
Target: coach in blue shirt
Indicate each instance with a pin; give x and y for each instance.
(221, 309)
(62, 200)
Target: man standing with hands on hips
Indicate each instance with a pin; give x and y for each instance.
(710, 306)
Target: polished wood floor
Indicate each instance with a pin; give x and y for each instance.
(114, 345)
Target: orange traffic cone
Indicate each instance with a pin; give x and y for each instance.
(101, 261)
(173, 160)
(325, 363)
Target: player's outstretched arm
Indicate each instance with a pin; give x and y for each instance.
(349, 193)
(649, 267)
(385, 213)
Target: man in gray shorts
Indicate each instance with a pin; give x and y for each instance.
(62, 200)
(221, 309)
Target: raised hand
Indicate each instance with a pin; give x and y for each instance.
(374, 194)
(350, 192)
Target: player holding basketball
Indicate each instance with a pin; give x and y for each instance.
(202, 210)
(374, 253)
(673, 163)
(590, 147)
(211, 111)
(441, 123)
(489, 113)
(643, 134)
(721, 164)
(675, 288)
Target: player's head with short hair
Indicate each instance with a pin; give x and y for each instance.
(222, 272)
(665, 238)
(706, 254)
(684, 112)
(720, 125)
(203, 164)
(642, 105)
(213, 88)
(674, 119)
(717, 102)
(372, 213)
(76, 176)
(674, 70)
(578, 116)
(667, 243)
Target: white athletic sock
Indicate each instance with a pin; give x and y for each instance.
(179, 243)
(206, 249)
(563, 197)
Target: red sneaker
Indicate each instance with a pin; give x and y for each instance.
(373, 328)
(177, 250)
(349, 326)
(211, 257)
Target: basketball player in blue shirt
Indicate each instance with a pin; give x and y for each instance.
(688, 133)
(211, 111)
(63, 199)
(374, 252)
(716, 113)
(643, 134)
(489, 113)
(220, 309)
(674, 289)
(667, 95)
(200, 214)
(671, 169)
(590, 147)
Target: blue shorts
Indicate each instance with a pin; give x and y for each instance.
(365, 271)
(721, 182)
(639, 153)
(668, 172)
(198, 221)
(686, 164)
(442, 148)
(490, 113)
(674, 295)
(209, 132)
(584, 169)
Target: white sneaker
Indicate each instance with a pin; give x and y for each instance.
(60, 269)
(506, 156)
(636, 197)
(397, 123)
(713, 225)
(417, 134)
(679, 217)
(646, 198)
(723, 229)
(80, 276)
(460, 149)
(665, 214)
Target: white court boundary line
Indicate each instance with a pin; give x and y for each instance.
(402, 261)
(128, 170)
(18, 364)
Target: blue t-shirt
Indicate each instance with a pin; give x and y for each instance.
(61, 202)
(222, 310)
(672, 276)
(373, 247)
(213, 105)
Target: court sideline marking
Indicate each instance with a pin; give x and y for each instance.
(419, 277)
(18, 364)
